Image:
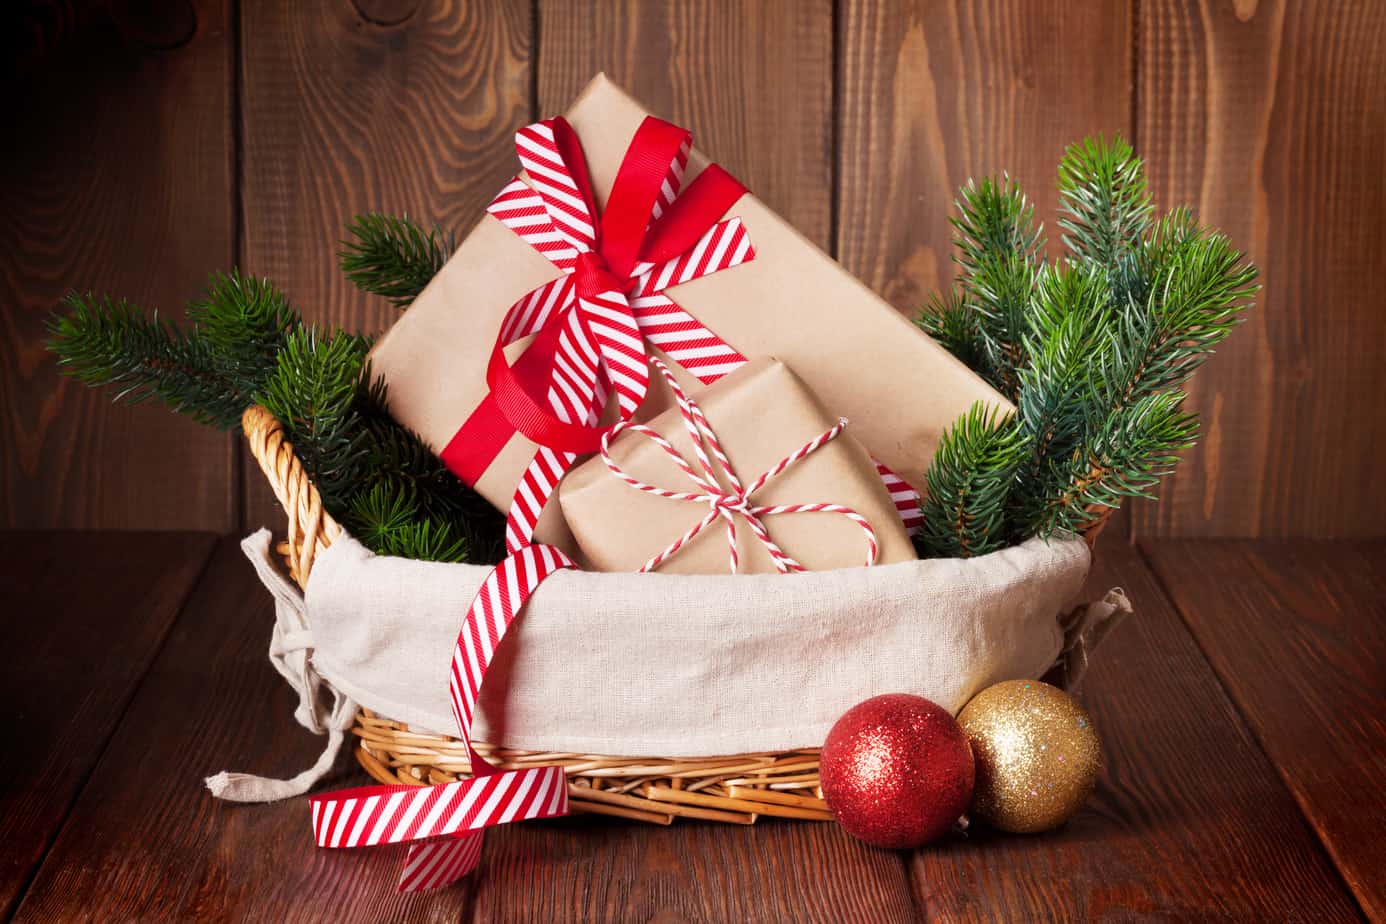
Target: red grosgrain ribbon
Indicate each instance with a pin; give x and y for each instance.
(593, 321)
(443, 824)
(727, 505)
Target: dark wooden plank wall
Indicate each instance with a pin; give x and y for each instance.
(118, 176)
(1270, 119)
(855, 119)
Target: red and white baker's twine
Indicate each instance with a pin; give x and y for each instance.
(727, 505)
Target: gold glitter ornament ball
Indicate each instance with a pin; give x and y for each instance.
(1036, 752)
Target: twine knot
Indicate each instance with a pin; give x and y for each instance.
(727, 504)
(731, 503)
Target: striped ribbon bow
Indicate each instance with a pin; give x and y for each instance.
(593, 321)
(727, 505)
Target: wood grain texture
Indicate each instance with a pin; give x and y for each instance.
(347, 108)
(932, 93)
(752, 79)
(147, 842)
(586, 870)
(117, 178)
(1189, 822)
(1297, 633)
(1270, 119)
(85, 614)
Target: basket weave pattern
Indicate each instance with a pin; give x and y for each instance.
(736, 789)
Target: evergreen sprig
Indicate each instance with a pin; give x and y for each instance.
(1103, 204)
(113, 343)
(393, 256)
(312, 392)
(1124, 455)
(969, 483)
(246, 344)
(1198, 287)
(1070, 317)
(998, 249)
(244, 321)
(953, 323)
(1093, 350)
(388, 519)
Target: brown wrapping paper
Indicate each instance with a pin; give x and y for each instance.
(760, 413)
(899, 388)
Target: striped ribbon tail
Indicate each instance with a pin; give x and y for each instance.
(443, 824)
(521, 209)
(566, 204)
(663, 324)
(906, 499)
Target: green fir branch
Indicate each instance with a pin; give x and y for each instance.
(387, 519)
(1103, 204)
(400, 458)
(998, 249)
(312, 392)
(953, 323)
(1125, 456)
(1093, 352)
(968, 485)
(1069, 334)
(113, 343)
(1000, 293)
(393, 257)
(1199, 286)
(244, 321)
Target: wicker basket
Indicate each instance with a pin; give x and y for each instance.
(736, 788)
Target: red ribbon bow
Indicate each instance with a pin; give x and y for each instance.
(592, 322)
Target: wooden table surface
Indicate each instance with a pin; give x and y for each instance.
(1241, 709)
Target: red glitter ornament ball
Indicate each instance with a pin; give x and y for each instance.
(896, 771)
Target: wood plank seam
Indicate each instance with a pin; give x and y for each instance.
(1133, 121)
(835, 126)
(1229, 691)
(240, 512)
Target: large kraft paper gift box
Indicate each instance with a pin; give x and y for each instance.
(868, 363)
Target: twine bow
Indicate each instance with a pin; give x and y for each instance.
(724, 504)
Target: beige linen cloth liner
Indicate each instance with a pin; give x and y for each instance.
(668, 665)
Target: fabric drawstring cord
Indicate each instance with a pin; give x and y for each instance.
(291, 649)
(1084, 628)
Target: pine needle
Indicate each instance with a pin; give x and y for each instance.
(393, 257)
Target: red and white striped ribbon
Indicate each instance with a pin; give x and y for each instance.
(443, 824)
(602, 349)
(727, 505)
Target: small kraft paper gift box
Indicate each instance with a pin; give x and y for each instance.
(488, 357)
(638, 504)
